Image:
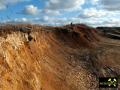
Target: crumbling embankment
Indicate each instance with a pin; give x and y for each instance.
(52, 58)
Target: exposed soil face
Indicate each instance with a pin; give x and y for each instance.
(71, 57)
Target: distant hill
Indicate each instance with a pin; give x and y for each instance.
(111, 32)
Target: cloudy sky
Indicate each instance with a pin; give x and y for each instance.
(59, 12)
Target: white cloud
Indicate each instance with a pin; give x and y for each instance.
(52, 20)
(103, 21)
(22, 20)
(34, 10)
(96, 14)
(5, 3)
(112, 22)
(110, 4)
(18, 20)
(100, 17)
(2, 6)
(94, 1)
(31, 10)
(46, 20)
(50, 12)
(92, 13)
(63, 4)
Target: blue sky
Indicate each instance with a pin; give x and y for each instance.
(59, 12)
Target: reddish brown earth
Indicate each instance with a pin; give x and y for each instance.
(71, 57)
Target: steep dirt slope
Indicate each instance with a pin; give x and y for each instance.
(55, 58)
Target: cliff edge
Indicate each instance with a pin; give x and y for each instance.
(71, 57)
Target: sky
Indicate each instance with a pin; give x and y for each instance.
(60, 12)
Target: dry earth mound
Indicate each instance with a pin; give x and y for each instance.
(71, 57)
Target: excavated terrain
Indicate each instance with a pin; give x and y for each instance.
(71, 57)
